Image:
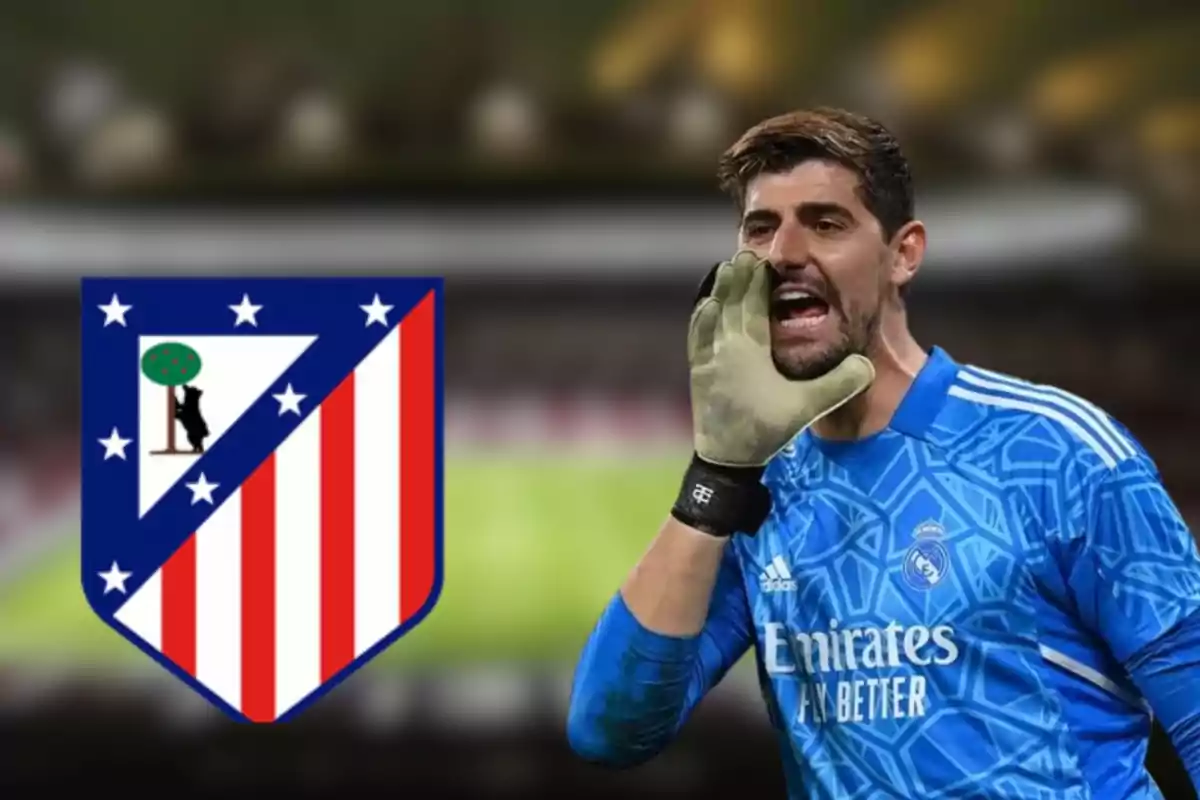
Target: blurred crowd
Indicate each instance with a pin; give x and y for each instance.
(175, 97)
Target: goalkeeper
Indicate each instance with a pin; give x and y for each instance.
(955, 582)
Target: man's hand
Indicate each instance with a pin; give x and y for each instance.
(743, 410)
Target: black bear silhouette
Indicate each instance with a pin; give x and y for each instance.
(188, 414)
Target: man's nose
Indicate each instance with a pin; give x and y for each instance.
(788, 247)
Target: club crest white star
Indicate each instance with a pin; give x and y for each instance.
(245, 311)
(289, 400)
(114, 311)
(114, 579)
(202, 490)
(114, 445)
(376, 312)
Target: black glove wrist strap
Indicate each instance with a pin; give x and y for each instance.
(722, 500)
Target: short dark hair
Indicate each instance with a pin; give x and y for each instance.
(861, 144)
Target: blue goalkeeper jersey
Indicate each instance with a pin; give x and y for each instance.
(948, 608)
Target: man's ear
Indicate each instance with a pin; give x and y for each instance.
(909, 253)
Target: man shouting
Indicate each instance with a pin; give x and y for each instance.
(956, 583)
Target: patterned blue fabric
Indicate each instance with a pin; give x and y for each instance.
(1165, 671)
(948, 608)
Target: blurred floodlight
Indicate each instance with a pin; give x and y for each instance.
(1169, 140)
(505, 120)
(315, 127)
(936, 57)
(699, 121)
(1087, 89)
(130, 145)
(738, 48)
(642, 40)
(922, 66)
(80, 96)
(1173, 128)
(1077, 90)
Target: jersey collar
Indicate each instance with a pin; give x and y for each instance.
(927, 395)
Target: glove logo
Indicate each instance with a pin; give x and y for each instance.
(262, 479)
(926, 561)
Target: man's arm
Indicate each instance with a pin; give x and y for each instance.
(670, 588)
(1137, 582)
(682, 618)
(1167, 672)
(680, 621)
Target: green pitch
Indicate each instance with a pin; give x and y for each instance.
(535, 546)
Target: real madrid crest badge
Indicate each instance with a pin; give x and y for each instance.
(926, 561)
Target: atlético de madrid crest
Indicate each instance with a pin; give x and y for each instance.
(262, 476)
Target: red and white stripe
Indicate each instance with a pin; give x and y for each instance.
(322, 552)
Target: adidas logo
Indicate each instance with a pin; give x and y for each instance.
(777, 577)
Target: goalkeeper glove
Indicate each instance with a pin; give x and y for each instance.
(744, 410)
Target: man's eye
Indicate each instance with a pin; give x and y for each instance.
(828, 225)
(754, 231)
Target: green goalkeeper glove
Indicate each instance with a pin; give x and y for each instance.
(744, 410)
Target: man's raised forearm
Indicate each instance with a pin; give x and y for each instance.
(682, 618)
(670, 588)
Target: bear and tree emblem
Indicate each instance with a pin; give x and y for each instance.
(171, 365)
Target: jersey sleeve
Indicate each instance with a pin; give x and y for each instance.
(1165, 672)
(1134, 569)
(634, 688)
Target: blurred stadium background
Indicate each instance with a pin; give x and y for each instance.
(555, 162)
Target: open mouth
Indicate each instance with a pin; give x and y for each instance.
(796, 308)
